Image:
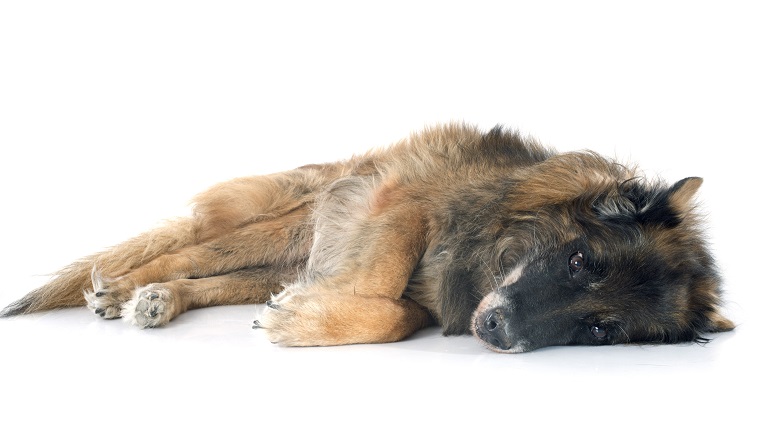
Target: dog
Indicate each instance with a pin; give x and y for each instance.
(482, 233)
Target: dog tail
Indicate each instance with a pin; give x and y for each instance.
(66, 287)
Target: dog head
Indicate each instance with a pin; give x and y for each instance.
(604, 262)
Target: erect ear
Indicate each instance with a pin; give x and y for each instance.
(667, 207)
(681, 194)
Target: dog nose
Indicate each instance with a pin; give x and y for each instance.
(493, 329)
(494, 320)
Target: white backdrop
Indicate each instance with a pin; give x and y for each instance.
(114, 114)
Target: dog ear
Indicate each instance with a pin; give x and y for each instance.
(682, 193)
(563, 178)
(664, 206)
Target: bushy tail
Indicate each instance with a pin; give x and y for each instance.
(67, 286)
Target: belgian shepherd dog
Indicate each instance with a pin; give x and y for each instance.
(489, 234)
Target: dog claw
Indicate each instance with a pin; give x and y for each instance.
(272, 304)
(100, 294)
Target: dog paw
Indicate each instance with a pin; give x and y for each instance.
(292, 320)
(151, 306)
(104, 300)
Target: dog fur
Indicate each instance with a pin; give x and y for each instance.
(484, 233)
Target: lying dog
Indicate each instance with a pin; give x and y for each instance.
(489, 234)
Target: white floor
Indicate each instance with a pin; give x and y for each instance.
(209, 368)
(113, 114)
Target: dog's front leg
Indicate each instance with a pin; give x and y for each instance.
(361, 299)
(340, 319)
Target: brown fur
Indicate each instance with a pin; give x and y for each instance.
(363, 247)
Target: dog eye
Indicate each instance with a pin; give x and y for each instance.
(599, 332)
(577, 262)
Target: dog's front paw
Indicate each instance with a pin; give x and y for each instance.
(151, 306)
(296, 320)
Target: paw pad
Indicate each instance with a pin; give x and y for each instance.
(151, 307)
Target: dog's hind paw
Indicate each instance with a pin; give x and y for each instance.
(102, 300)
(151, 306)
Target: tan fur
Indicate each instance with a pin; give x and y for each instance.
(345, 240)
(334, 318)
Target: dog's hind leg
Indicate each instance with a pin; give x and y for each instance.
(156, 304)
(282, 242)
(220, 211)
(241, 223)
(65, 289)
